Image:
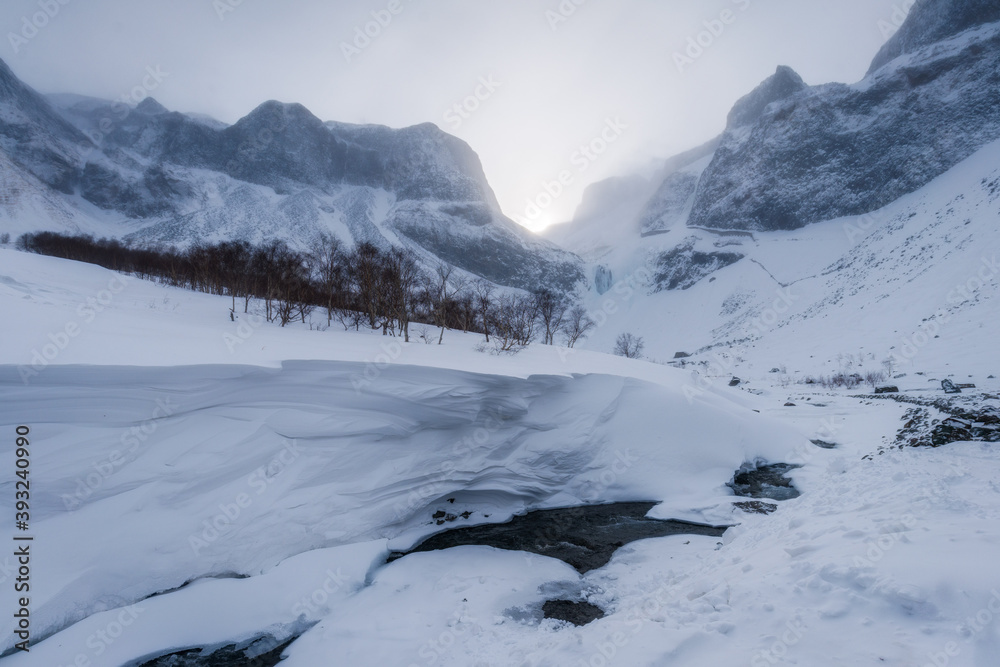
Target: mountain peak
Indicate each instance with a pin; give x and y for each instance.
(274, 113)
(931, 21)
(150, 107)
(782, 84)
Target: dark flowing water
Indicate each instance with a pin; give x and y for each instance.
(765, 481)
(261, 652)
(586, 537)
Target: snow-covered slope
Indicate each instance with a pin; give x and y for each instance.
(874, 285)
(313, 454)
(172, 446)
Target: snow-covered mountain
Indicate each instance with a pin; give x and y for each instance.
(206, 482)
(897, 173)
(792, 154)
(151, 175)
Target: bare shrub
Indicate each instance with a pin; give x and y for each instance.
(629, 346)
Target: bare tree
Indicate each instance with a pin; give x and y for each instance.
(366, 274)
(405, 273)
(629, 346)
(444, 289)
(552, 312)
(514, 318)
(484, 290)
(349, 317)
(875, 378)
(328, 266)
(578, 324)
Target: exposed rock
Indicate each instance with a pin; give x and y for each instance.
(823, 444)
(781, 85)
(577, 613)
(951, 430)
(814, 154)
(684, 266)
(949, 387)
(670, 205)
(889, 389)
(735, 382)
(931, 21)
(764, 480)
(756, 507)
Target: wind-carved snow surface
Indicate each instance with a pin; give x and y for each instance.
(312, 471)
(151, 478)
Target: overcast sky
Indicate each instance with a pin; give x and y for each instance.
(556, 78)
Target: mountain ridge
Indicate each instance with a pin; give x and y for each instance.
(155, 176)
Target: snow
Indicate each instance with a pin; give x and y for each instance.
(862, 285)
(201, 482)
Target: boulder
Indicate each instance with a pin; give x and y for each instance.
(949, 387)
(951, 430)
(891, 389)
